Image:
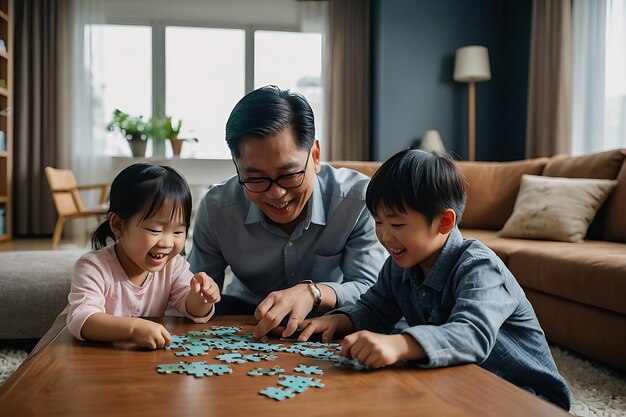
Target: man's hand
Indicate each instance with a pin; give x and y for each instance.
(376, 350)
(295, 302)
(327, 326)
(149, 334)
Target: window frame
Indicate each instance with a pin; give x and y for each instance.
(158, 27)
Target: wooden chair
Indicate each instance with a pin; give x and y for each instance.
(66, 196)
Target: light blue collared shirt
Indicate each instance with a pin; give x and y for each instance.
(468, 309)
(335, 244)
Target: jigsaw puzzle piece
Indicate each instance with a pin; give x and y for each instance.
(309, 370)
(298, 383)
(277, 394)
(169, 368)
(231, 358)
(193, 350)
(266, 371)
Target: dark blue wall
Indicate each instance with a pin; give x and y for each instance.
(413, 48)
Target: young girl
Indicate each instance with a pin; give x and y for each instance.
(114, 286)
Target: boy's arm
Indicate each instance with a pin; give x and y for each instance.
(104, 327)
(482, 304)
(378, 309)
(361, 260)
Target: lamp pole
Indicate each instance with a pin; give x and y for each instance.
(472, 121)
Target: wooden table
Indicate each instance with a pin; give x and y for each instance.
(65, 377)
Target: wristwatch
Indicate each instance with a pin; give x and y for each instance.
(315, 291)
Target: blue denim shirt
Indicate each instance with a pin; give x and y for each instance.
(335, 244)
(468, 309)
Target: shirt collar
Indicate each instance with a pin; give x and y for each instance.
(446, 260)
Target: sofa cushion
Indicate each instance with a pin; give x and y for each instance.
(556, 208)
(604, 165)
(364, 167)
(33, 290)
(615, 220)
(491, 188)
(593, 272)
(502, 246)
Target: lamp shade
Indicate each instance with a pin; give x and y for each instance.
(472, 64)
(432, 142)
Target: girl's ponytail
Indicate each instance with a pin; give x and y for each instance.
(101, 234)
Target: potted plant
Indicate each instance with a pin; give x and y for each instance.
(133, 128)
(172, 132)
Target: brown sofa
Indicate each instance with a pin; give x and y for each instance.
(578, 290)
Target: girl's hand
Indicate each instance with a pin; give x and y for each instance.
(203, 287)
(149, 334)
(376, 350)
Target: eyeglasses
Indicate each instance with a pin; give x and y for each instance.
(263, 184)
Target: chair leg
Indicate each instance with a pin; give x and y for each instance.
(58, 230)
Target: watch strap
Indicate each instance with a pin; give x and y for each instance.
(317, 294)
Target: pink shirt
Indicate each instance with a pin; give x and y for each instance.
(100, 285)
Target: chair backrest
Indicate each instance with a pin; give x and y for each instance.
(64, 191)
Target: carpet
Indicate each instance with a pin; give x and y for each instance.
(597, 390)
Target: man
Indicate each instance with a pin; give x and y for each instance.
(295, 232)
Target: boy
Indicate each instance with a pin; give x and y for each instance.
(461, 302)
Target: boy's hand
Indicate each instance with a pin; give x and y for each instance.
(376, 350)
(149, 334)
(327, 325)
(204, 288)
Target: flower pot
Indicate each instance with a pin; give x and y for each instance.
(138, 147)
(177, 145)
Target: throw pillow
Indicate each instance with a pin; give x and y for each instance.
(555, 208)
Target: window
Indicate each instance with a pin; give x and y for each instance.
(291, 60)
(204, 79)
(121, 76)
(205, 74)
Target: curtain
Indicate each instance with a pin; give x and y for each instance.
(85, 117)
(599, 90)
(550, 79)
(348, 83)
(38, 92)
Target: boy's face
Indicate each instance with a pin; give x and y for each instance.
(408, 237)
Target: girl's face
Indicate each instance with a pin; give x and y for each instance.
(148, 245)
(408, 237)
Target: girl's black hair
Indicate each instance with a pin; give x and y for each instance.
(269, 110)
(144, 185)
(426, 182)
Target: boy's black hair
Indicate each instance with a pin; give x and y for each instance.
(144, 185)
(426, 182)
(269, 110)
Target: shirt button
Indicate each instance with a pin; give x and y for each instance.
(289, 243)
(423, 293)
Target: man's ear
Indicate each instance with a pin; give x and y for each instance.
(116, 224)
(446, 221)
(316, 155)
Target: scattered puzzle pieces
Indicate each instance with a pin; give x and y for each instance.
(197, 369)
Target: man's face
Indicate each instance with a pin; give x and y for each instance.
(276, 156)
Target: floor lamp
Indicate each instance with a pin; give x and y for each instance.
(471, 66)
